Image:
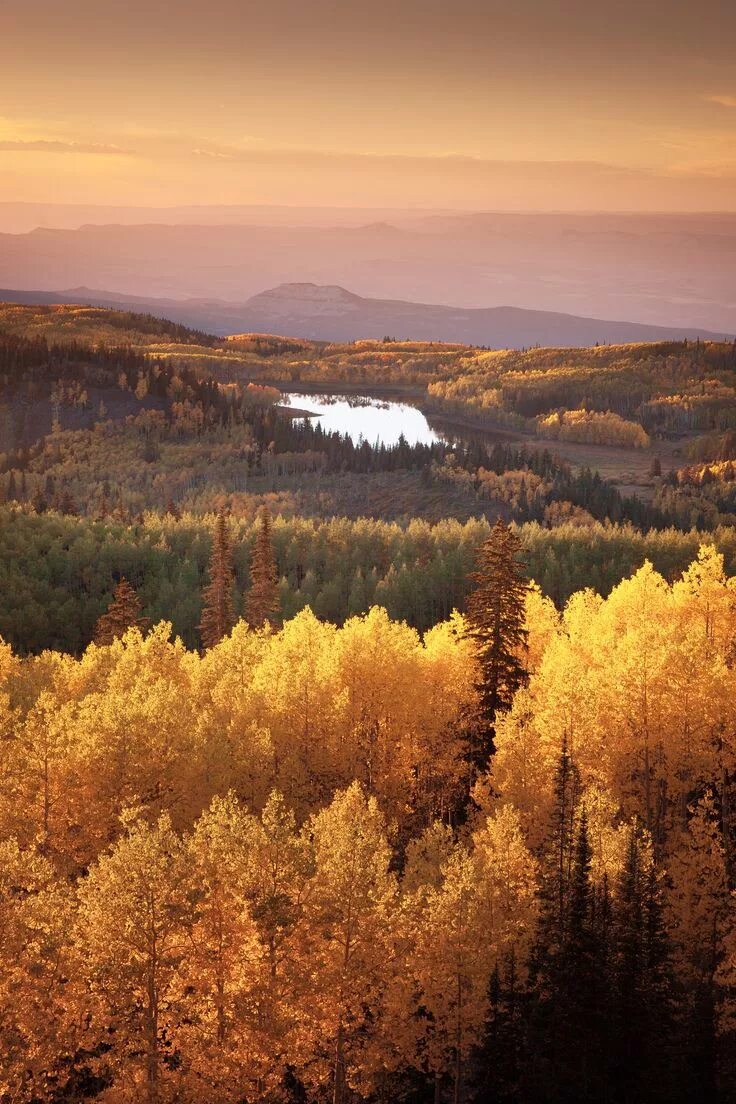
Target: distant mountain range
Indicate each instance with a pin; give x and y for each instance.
(658, 270)
(331, 313)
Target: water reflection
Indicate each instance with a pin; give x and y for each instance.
(364, 418)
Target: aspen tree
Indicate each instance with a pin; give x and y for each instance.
(351, 899)
(131, 933)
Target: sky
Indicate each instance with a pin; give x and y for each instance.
(474, 104)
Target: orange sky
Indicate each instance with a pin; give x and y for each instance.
(569, 105)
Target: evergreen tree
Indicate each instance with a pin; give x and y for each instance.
(567, 794)
(496, 614)
(642, 1027)
(124, 612)
(218, 616)
(500, 1057)
(567, 1057)
(262, 603)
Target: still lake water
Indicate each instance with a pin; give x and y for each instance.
(361, 417)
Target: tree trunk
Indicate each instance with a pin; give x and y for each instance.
(458, 1042)
(152, 1043)
(338, 1089)
(152, 1024)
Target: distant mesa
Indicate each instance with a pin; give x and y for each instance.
(310, 296)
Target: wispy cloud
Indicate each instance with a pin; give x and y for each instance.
(39, 145)
(723, 100)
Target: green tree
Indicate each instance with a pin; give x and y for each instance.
(262, 603)
(570, 1024)
(643, 1028)
(123, 613)
(496, 619)
(218, 616)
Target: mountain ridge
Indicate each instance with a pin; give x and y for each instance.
(331, 312)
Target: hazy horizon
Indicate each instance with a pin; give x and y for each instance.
(556, 158)
(539, 107)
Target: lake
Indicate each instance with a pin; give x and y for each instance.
(361, 417)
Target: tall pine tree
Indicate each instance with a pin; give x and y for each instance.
(218, 616)
(568, 1049)
(496, 619)
(124, 612)
(646, 1049)
(262, 603)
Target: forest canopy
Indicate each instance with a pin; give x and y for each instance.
(285, 885)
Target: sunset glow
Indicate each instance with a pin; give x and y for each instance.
(422, 104)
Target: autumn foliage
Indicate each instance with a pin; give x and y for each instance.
(258, 873)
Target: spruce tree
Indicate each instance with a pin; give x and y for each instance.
(262, 603)
(496, 617)
(124, 612)
(499, 1058)
(567, 795)
(218, 616)
(568, 1052)
(570, 1027)
(643, 1027)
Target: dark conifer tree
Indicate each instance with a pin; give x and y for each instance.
(124, 612)
(499, 1059)
(567, 1051)
(644, 1032)
(262, 602)
(495, 615)
(573, 987)
(218, 616)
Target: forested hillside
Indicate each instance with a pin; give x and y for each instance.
(115, 457)
(58, 572)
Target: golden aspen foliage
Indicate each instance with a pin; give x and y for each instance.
(221, 972)
(449, 964)
(542, 622)
(131, 935)
(37, 1035)
(640, 688)
(351, 898)
(467, 910)
(232, 751)
(9, 670)
(507, 881)
(294, 695)
(426, 856)
(273, 862)
(261, 868)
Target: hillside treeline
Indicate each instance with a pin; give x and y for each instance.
(57, 572)
(665, 387)
(195, 452)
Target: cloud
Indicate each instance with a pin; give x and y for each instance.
(724, 101)
(45, 146)
(216, 155)
(724, 168)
